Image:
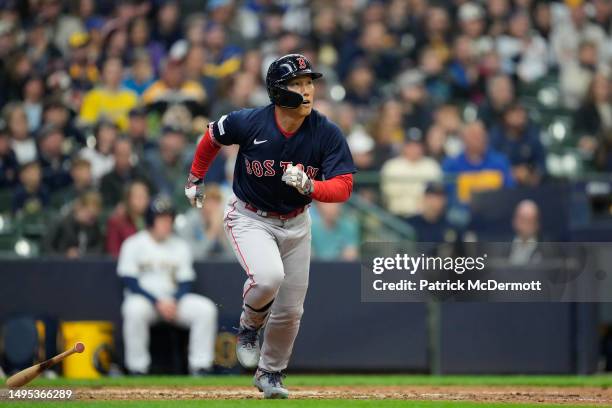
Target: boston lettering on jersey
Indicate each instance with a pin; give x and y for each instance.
(318, 147)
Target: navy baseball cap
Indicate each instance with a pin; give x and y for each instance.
(138, 111)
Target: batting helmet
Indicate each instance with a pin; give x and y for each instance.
(281, 71)
(161, 205)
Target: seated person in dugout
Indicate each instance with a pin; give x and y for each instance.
(157, 272)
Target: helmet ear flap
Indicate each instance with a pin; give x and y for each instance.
(286, 98)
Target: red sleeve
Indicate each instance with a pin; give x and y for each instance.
(335, 190)
(205, 154)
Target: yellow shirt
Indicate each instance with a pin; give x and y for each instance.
(159, 91)
(113, 105)
(471, 182)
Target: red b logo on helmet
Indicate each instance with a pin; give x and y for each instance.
(301, 63)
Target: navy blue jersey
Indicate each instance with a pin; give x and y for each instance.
(265, 152)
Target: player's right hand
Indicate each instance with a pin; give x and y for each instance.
(194, 191)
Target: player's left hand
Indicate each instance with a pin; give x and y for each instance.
(297, 178)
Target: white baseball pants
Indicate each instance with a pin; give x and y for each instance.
(195, 312)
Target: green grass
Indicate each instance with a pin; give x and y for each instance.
(314, 381)
(342, 380)
(285, 404)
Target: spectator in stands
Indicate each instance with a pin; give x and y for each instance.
(403, 178)
(173, 87)
(414, 100)
(360, 85)
(127, 219)
(168, 163)
(166, 29)
(114, 45)
(526, 226)
(8, 44)
(194, 32)
(194, 61)
(141, 75)
(602, 15)
(18, 68)
(543, 23)
(448, 119)
(463, 70)
(436, 81)
(223, 59)
(435, 143)
(54, 163)
(9, 167)
(472, 24)
(61, 25)
(110, 100)
(236, 95)
(83, 71)
(334, 236)
(436, 32)
(139, 40)
(101, 155)
(42, 54)
(603, 154)
(573, 28)
(81, 182)
(431, 224)
(22, 142)
(78, 233)
(391, 120)
(478, 168)
(362, 149)
(252, 64)
(31, 195)
(498, 13)
(500, 94)
(138, 133)
(56, 113)
(202, 228)
(576, 75)
(519, 140)
(523, 51)
(124, 171)
(388, 132)
(594, 117)
(33, 92)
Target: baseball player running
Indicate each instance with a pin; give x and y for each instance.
(289, 155)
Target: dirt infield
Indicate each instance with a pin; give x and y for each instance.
(559, 395)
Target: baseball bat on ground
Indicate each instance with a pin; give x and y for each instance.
(25, 376)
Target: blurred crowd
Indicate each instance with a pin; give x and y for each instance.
(102, 104)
